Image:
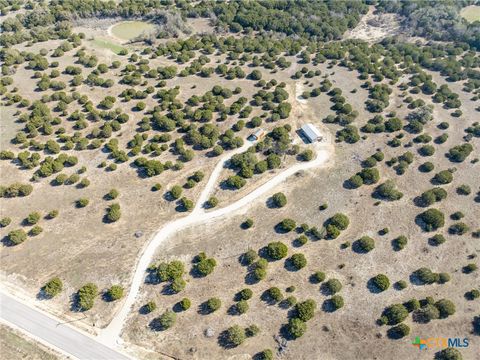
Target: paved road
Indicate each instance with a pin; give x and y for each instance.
(47, 329)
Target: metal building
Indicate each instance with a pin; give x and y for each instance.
(311, 133)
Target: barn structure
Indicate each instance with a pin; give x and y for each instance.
(257, 135)
(311, 133)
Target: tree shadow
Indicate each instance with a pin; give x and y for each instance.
(7, 242)
(372, 287)
(41, 295)
(203, 309)
(357, 248)
(144, 310)
(265, 297)
(224, 342)
(328, 306)
(394, 334)
(155, 325)
(288, 265)
(325, 290)
(251, 279)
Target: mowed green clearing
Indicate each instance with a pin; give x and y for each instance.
(128, 30)
(471, 13)
(105, 44)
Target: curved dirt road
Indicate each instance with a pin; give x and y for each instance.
(111, 333)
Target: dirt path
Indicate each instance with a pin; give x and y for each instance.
(324, 151)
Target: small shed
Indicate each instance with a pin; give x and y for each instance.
(257, 135)
(311, 132)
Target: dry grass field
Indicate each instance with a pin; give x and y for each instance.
(16, 346)
(82, 245)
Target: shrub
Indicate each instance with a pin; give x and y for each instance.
(301, 240)
(336, 301)
(156, 187)
(388, 191)
(33, 218)
(236, 182)
(448, 354)
(365, 244)
(459, 228)
(426, 167)
(176, 192)
(469, 268)
(433, 195)
(437, 239)
(249, 257)
(86, 296)
(279, 200)
(306, 155)
(113, 212)
(259, 274)
(340, 221)
(205, 266)
(427, 313)
(445, 307)
(399, 331)
(322, 207)
(287, 225)
(150, 306)
(433, 219)
(443, 177)
(115, 292)
(241, 307)
(298, 261)
(395, 314)
(464, 190)
(213, 304)
(296, 327)
(443, 278)
(186, 203)
(177, 285)
(167, 319)
(277, 250)
(53, 287)
(212, 202)
(460, 152)
(381, 282)
(472, 294)
(275, 294)
(245, 294)
(333, 286)
(17, 236)
(266, 354)
(290, 301)
(400, 285)
(36, 230)
(235, 335)
(4, 222)
(318, 276)
(171, 270)
(412, 304)
(252, 330)
(112, 194)
(52, 214)
(426, 276)
(247, 224)
(355, 181)
(82, 202)
(399, 243)
(185, 304)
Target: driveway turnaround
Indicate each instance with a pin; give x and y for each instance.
(51, 332)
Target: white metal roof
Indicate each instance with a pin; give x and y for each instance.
(311, 132)
(259, 132)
